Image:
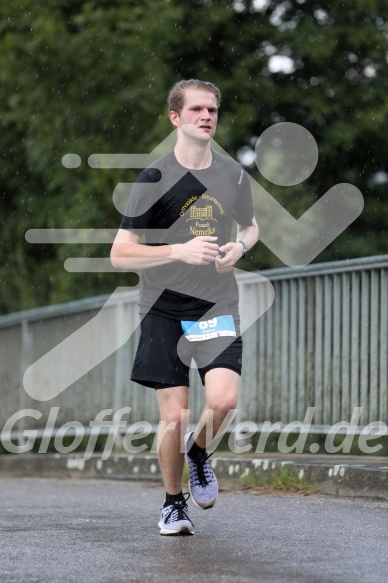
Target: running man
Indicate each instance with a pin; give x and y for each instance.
(185, 204)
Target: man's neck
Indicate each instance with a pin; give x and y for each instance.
(194, 156)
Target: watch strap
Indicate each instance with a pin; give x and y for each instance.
(244, 247)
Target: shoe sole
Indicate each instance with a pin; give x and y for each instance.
(207, 507)
(183, 532)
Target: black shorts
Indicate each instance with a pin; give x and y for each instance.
(158, 364)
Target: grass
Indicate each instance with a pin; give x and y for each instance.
(281, 480)
(284, 479)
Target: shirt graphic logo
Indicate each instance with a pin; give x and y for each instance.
(202, 217)
(205, 213)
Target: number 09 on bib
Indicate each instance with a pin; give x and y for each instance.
(207, 329)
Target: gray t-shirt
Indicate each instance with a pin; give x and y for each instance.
(171, 204)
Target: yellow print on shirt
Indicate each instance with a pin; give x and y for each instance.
(204, 213)
(187, 204)
(218, 204)
(201, 216)
(202, 229)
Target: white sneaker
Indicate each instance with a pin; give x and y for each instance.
(174, 519)
(203, 483)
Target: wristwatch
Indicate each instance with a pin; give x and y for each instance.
(244, 247)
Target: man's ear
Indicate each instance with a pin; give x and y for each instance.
(174, 118)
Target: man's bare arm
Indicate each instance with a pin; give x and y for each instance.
(128, 253)
(234, 251)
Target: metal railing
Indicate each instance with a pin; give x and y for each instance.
(322, 344)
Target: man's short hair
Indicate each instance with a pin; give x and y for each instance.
(176, 97)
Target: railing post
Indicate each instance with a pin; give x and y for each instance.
(25, 362)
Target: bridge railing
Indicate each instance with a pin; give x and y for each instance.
(322, 344)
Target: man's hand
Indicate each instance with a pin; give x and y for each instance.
(233, 252)
(197, 251)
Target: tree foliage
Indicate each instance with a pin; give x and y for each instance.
(89, 76)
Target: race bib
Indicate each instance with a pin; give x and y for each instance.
(219, 326)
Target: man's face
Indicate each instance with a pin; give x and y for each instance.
(198, 118)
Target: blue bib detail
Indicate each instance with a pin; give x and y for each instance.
(204, 330)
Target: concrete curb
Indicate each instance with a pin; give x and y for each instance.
(354, 477)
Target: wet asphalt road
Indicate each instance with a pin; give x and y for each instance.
(71, 531)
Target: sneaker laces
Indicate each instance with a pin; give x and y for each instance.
(203, 473)
(178, 510)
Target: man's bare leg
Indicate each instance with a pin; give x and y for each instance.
(173, 407)
(174, 414)
(221, 386)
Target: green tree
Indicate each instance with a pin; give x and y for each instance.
(73, 80)
(88, 76)
(333, 82)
